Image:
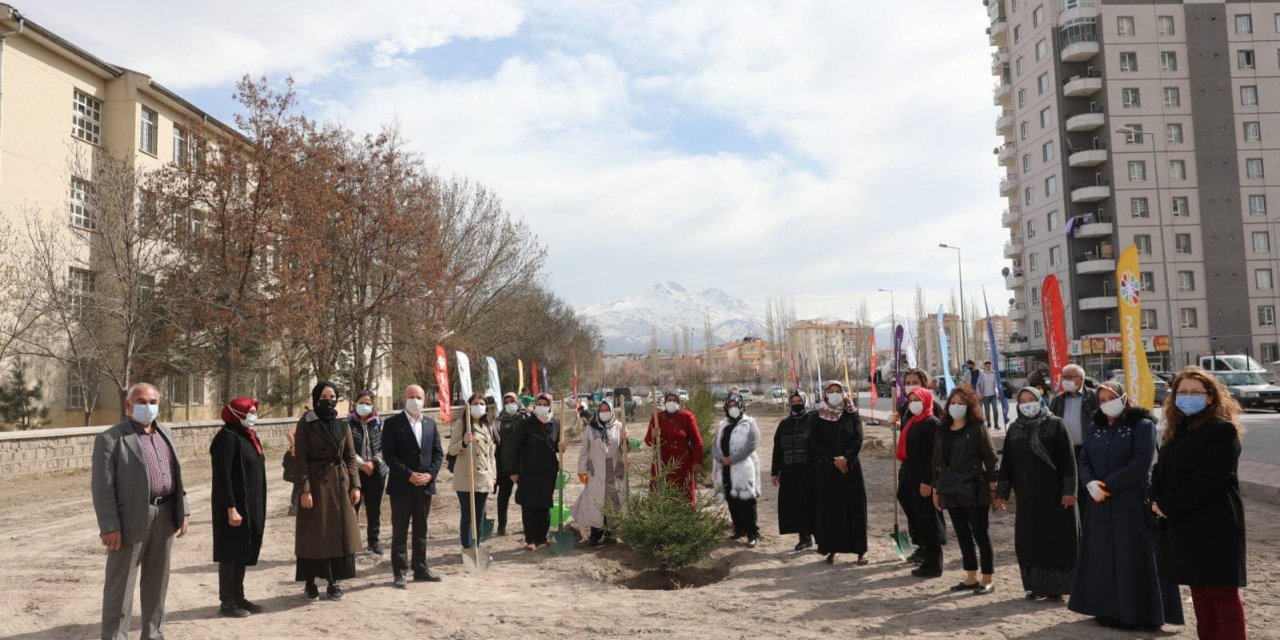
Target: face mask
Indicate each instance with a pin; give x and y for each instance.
(250, 420)
(958, 411)
(835, 399)
(1069, 386)
(672, 407)
(542, 411)
(606, 417)
(1113, 408)
(478, 410)
(734, 412)
(145, 413)
(1029, 409)
(915, 407)
(511, 407)
(363, 410)
(797, 409)
(413, 405)
(326, 405)
(1190, 405)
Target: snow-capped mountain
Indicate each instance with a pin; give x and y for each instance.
(627, 323)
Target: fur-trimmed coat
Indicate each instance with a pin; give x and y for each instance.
(744, 473)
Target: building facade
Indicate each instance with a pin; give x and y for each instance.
(930, 354)
(1148, 123)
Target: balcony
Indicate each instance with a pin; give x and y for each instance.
(1091, 193)
(1018, 312)
(999, 61)
(998, 33)
(1096, 265)
(1002, 93)
(1013, 248)
(1014, 281)
(1098, 303)
(1069, 10)
(1088, 157)
(1004, 123)
(1080, 49)
(1084, 122)
(1095, 230)
(1006, 153)
(1081, 86)
(1009, 185)
(1010, 216)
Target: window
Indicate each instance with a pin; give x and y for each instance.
(1022, 98)
(80, 285)
(1164, 26)
(1186, 281)
(1017, 34)
(86, 117)
(1182, 243)
(1133, 134)
(1266, 315)
(148, 130)
(1257, 205)
(1037, 328)
(181, 145)
(1173, 133)
(80, 205)
(1042, 83)
(1023, 129)
(1035, 294)
(1017, 66)
(1044, 117)
(1181, 206)
(1050, 186)
(1148, 281)
(1031, 229)
(1261, 242)
(1143, 242)
(1055, 256)
(1172, 97)
(1033, 262)
(75, 389)
(1252, 132)
(1249, 95)
(1051, 221)
(1037, 16)
(1139, 208)
(1177, 169)
(1168, 61)
(1189, 319)
(1270, 351)
(1124, 25)
(1253, 168)
(1277, 23)
(1137, 171)
(1128, 61)
(1244, 23)
(1026, 196)
(1148, 319)
(1026, 163)
(1042, 49)
(1262, 279)
(1048, 152)
(1130, 98)
(1244, 59)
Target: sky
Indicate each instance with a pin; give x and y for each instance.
(813, 149)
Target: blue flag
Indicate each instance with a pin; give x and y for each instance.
(995, 358)
(946, 357)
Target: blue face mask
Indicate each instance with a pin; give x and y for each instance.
(1190, 405)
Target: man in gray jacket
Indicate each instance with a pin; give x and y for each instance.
(140, 504)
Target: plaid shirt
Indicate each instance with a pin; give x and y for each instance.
(159, 459)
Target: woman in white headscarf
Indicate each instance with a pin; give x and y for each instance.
(600, 469)
(737, 468)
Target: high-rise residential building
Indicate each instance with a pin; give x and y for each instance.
(981, 349)
(930, 354)
(822, 340)
(1153, 123)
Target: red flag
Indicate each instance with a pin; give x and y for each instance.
(534, 369)
(1055, 328)
(873, 369)
(442, 384)
(575, 382)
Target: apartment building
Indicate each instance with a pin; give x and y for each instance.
(930, 354)
(823, 340)
(1153, 123)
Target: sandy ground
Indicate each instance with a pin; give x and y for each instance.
(51, 576)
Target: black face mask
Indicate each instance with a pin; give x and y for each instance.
(326, 407)
(797, 409)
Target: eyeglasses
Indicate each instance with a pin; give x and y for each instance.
(1202, 394)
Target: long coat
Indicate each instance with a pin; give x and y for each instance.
(1195, 485)
(1038, 464)
(329, 528)
(681, 448)
(924, 521)
(537, 462)
(601, 459)
(482, 448)
(239, 481)
(790, 465)
(1116, 576)
(841, 498)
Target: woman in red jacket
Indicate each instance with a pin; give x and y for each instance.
(681, 445)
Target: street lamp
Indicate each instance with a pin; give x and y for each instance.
(1164, 246)
(964, 330)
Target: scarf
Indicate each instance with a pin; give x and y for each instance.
(925, 396)
(550, 403)
(1037, 429)
(326, 425)
(253, 437)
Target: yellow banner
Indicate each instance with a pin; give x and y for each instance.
(1137, 375)
(520, 368)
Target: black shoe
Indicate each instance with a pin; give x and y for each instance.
(502, 530)
(1057, 598)
(312, 592)
(593, 542)
(752, 541)
(965, 586)
(249, 606)
(802, 545)
(737, 535)
(375, 549)
(232, 610)
(925, 572)
(398, 582)
(1032, 596)
(334, 591)
(831, 558)
(429, 576)
(916, 557)
(986, 589)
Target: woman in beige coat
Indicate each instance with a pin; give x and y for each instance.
(600, 468)
(473, 448)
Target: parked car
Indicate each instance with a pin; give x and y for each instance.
(1250, 389)
(746, 394)
(1162, 388)
(683, 394)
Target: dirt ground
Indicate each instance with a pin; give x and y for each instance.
(52, 565)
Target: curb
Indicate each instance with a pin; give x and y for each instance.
(1260, 481)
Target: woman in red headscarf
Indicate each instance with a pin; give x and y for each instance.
(239, 503)
(915, 477)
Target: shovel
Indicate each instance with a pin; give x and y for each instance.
(561, 541)
(477, 558)
(901, 541)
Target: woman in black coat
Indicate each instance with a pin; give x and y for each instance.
(239, 503)
(1117, 580)
(964, 478)
(536, 452)
(914, 451)
(840, 491)
(792, 473)
(1196, 494)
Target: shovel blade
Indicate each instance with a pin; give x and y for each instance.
(476, 560)
(901, 543)
(562, 542)
(486, 529)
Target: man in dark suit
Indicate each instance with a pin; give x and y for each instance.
(411, 447)
(140, 504)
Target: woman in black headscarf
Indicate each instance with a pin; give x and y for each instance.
(327, 535)
(792, 473)
(835, 441)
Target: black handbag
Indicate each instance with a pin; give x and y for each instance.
(290, 472)
(957, 488)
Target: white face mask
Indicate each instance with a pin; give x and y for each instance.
(363, 410)
(1029, 409)
(413, 405)
(835, 399)
(734, 412)
(511, 407)
(542, 411)
(249, 420)
(1069, 386)
(606, 417)
(145, 413)
(915, 407)
(958, 411)
(672, 407)
(478, 410)
(1113, 408)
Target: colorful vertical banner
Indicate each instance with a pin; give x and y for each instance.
(900, 390)
(545, 386)
(1055, 328)
(494, 387)
(873, 369)
(909, 347)
(442, 384)
(1133, 353)
(533, 373)
(575, 382)
(520, 383)
(995, 358)
(817, 380)
(944, 351)
(844, 361)
(795, 379)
